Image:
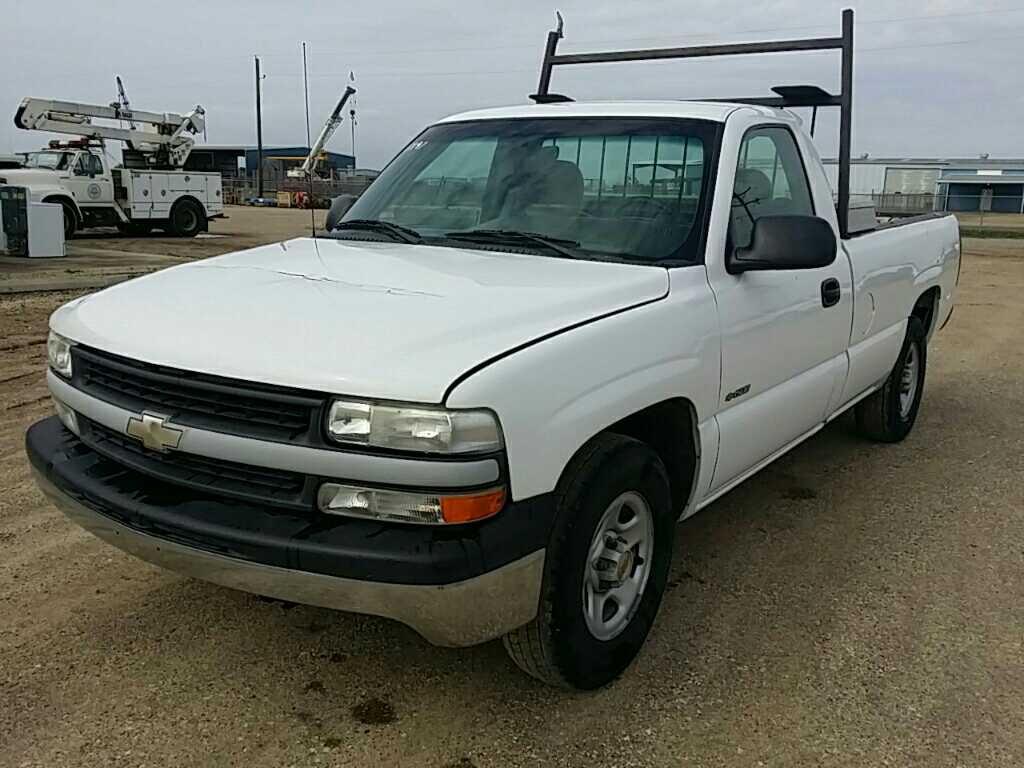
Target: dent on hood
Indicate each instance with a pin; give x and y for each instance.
(371, 287)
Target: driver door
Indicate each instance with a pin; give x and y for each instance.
(784, 332)
(88, 183)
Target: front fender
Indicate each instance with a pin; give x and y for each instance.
(51, 193)
(553, 396)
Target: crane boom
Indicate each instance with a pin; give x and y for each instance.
(328, 130)
(122, 100)
(169, 141)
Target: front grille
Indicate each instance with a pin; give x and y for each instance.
(226, 478)
(200, 400)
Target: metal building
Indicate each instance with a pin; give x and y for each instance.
(969, 187)
(916, 185)
(240, 160)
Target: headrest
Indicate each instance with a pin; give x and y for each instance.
(753, 185)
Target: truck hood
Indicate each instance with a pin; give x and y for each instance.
(384, 320)
(26, 177)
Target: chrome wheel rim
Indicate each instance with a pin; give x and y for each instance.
(908, 381)
(618, 565)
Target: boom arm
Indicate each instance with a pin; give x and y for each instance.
(325, 135)
(170, 140)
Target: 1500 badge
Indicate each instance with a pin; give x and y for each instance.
(737, 393)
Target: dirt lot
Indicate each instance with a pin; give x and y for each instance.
(855, 604)
(101, 257)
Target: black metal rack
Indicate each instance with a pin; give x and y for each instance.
(787, 96)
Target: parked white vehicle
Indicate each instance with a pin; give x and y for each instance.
(154, 193)
(135, 200)
(480, 404)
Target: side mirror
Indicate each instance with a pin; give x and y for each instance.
(339, 207)
(785, 242)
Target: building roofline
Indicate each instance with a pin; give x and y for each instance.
(968, 162)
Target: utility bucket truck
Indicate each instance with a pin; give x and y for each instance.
(149, 190)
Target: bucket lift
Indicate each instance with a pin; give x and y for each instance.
(164, 144)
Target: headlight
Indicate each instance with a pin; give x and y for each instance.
(413, 428)
(58, 350)
(409, 506)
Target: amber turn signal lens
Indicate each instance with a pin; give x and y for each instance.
(464, 509)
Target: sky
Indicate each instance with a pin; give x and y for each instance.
(933, 78)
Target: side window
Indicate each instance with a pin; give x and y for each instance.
(81, 168)
(770, 181)
(95, 165)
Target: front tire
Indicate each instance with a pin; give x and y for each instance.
(70, 218)
(606, 567)
(889, 414)
(187, 219)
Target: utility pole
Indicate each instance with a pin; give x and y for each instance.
(352, 119)
(259, 134)
(305, 87)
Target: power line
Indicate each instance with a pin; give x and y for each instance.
(351, 53)
(475, 73)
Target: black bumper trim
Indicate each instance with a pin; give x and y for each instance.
(307, 541)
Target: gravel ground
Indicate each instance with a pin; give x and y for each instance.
(854, 604)
(100, 257)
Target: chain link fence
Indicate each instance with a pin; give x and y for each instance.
(293, 192)
(983, 215)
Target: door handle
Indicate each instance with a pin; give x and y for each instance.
(830, 292)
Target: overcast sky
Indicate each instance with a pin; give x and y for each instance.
(932, 78)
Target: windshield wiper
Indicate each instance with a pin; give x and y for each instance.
(395, 231)
(559, 245)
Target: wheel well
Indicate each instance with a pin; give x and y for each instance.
(67, 200)
(189, 199)
(924, 309)
(670, 428)
(204, 221)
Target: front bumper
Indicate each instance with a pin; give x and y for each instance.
(456, 587)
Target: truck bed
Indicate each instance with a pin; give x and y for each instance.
(892, 267)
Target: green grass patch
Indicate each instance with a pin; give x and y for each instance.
(992, 233)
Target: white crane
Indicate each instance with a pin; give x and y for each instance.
(335, 120)
(165, 144)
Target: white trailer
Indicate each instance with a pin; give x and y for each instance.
(149, 190)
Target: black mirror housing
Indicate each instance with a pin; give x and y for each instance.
(339, 207)
(785, 242)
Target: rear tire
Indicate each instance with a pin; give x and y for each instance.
(614, 484)
(187, 219)
(889, 414)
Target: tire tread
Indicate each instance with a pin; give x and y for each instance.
(530, 646)
(874, 414)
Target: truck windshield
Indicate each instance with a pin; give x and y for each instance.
(630, 189)
(50, 161)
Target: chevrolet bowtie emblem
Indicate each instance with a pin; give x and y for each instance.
(154, 432)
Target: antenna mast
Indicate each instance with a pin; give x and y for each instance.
(309, 173)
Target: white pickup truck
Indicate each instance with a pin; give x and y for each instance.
(481, 403)
(93, 194)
